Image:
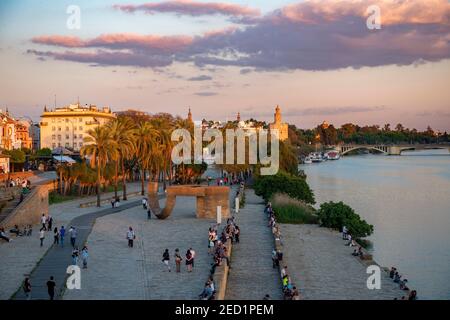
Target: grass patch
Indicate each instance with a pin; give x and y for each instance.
(293, 211)
(55, 197)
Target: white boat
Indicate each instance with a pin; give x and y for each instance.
(316, 157)
(307, 160)
(333, 155)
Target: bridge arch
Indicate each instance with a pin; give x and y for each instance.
(347, 149)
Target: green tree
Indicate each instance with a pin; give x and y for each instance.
(294, 186)
(17, 156)
(336, 215)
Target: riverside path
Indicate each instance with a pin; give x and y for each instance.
(252, 275)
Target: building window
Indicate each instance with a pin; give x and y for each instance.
(59, 144)
(67, 145)
(81, 128)
(80, 120)
(59, 128)
(53, 137)
(53, 145)
(53, 128)
(67, 129)
(59, 137)
(81, 144)
(67, 120)
(81, 136)
(67, 137)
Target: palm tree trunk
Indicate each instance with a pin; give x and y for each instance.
(98, 183)
(124, 185)
(142, 181)
(116, 179)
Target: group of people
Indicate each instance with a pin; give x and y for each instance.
(26, 232)
(84, 256)
(402, 282)
(146, 206)
(24, 183)
(209, 290)
(51, 284)
(189, 259)
(290, 291)
(115, 202)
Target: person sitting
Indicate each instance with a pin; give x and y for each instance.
(3, 235)
(413, 295)
(16, 231)
(355, 253)
(392, 273)
(30, 230)
(295, 294)
(397, 277)
(402, 284)
(275, 262)
(207, 292)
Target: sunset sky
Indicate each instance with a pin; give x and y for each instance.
(316, 59)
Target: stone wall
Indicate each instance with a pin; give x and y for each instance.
(31, 209)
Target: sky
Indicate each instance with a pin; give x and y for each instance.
(317, 59)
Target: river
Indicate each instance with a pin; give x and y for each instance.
(407, 199)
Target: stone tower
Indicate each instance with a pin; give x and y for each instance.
(279, 125)
(239, 117)
(190, 116)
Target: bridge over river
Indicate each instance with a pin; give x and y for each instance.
(394, 150)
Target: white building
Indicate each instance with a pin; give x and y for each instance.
(68, 126)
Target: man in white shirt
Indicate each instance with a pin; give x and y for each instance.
(42, 236)
(193, 256)
(44, 222)
(130, 236)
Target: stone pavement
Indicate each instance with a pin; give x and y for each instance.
(121, 273)
(323, 268)
(20, 256)
(57, 259)
(251, 275)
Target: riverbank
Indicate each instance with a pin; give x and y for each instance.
(323, 268)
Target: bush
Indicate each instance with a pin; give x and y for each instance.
(294, 186)
(336, 215)
(288, 210)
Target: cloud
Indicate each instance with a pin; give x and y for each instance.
(191, 8)
(246, 71)
(206, 94)
(311, 35)
(200, 78)
(332, 111)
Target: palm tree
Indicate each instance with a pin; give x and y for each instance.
(101, 148)
(122, 133)
(146, 144)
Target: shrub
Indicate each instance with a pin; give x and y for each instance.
(336, 215)
(289, 210)
(294, 186)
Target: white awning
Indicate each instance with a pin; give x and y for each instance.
(64, 159)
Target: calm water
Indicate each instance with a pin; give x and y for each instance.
(407, 199)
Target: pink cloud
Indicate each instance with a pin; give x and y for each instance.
(311, 35)
(191, 8)
(119, 41)
(392, 12)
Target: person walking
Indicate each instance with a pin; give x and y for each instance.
(73, 236)
(84, 256)
(75, 254)
(55, 236)
(62, 234)
(42, 236)
(131, 236)
(193, 256)
(27, 288)
(44, 221)
(237, 232)
(178, 260)
(49, 222)
(51, 284)
(166, 259)
(144, 203)
(189, 261)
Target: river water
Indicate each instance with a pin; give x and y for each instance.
(407, 199)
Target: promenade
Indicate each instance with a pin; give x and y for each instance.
(323, 268)
(252, 275)
(120, 273)
(21, 256)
